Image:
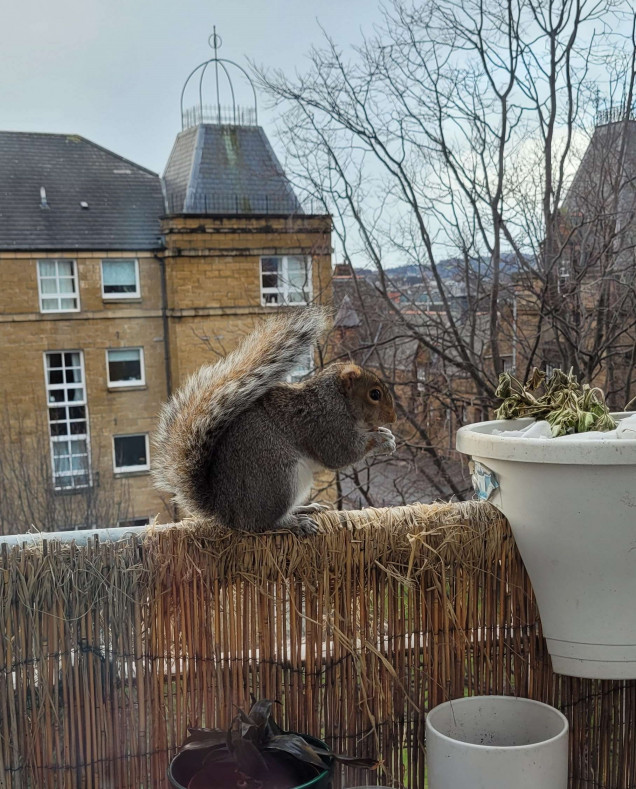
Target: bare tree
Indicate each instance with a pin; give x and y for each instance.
(453, 142)
(28, 498)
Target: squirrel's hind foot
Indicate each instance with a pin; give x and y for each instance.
(300, 524)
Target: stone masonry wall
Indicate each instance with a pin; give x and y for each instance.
(213, 299)
(26, 334)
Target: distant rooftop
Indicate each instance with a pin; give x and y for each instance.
(226, 169)
(615, 114)
(346, 317)
(62, 191)
(607, 170)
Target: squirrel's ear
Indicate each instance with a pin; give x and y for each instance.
(349, 374)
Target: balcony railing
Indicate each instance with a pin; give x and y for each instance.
(111, 648)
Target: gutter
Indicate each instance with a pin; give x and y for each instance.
(164, 320)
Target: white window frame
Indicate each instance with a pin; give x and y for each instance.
(300, 370)
(550, 367)
(131, 469)
(121, 296)
(284, 290)
(69, 436)
(126, 384)
(59, 296)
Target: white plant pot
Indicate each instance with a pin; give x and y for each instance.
(496, 742)
(571, 504)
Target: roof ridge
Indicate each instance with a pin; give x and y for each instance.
(37, 133)
(116, 155)
(83, 139)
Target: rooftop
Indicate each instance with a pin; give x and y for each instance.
(62, 191)
(226, 169)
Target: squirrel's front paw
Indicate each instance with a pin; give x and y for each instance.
(381, 442)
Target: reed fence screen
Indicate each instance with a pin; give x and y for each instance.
(109, 652)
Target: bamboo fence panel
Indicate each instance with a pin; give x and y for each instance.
(109, 652)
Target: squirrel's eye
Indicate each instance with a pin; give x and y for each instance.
(375, 394)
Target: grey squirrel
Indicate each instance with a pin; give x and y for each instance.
(238, 444)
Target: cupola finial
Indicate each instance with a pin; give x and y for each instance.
(233, 114)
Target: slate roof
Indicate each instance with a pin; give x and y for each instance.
(124, 200)
(346, 317)
(592, 191)
(221, 169)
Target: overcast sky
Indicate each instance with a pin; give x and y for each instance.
(112, 70)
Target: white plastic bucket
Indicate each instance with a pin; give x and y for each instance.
(496, 742)
(571, 505)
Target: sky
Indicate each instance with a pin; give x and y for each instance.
(113, 70)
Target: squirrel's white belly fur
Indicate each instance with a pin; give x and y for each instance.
(305, 471)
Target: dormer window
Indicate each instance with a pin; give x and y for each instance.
(120, 279)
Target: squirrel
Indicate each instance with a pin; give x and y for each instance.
(238, 444)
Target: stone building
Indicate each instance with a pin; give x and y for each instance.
(576, 299)
(117, 284)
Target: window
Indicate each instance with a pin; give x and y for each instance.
(421, 373)
(125, 367)
(286, 280)
(120, 279)
(550, 367)
(131, 523)
(131, 453)
(303, 367)
(57, 286)
(68, 421)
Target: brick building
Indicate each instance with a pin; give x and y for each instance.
(117, 285)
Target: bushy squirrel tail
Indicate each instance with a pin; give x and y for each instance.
(215, 395)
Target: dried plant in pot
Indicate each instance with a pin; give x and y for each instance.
(569, 497)
(255, 753)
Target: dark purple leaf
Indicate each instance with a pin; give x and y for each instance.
(244, 717)
(261, 714)
(294, 745)
(261, 711)
(204, 738)
(353, 761)
(273, 729)
(249, 731)
(356, 761)
(249, 759)
(201, 734)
